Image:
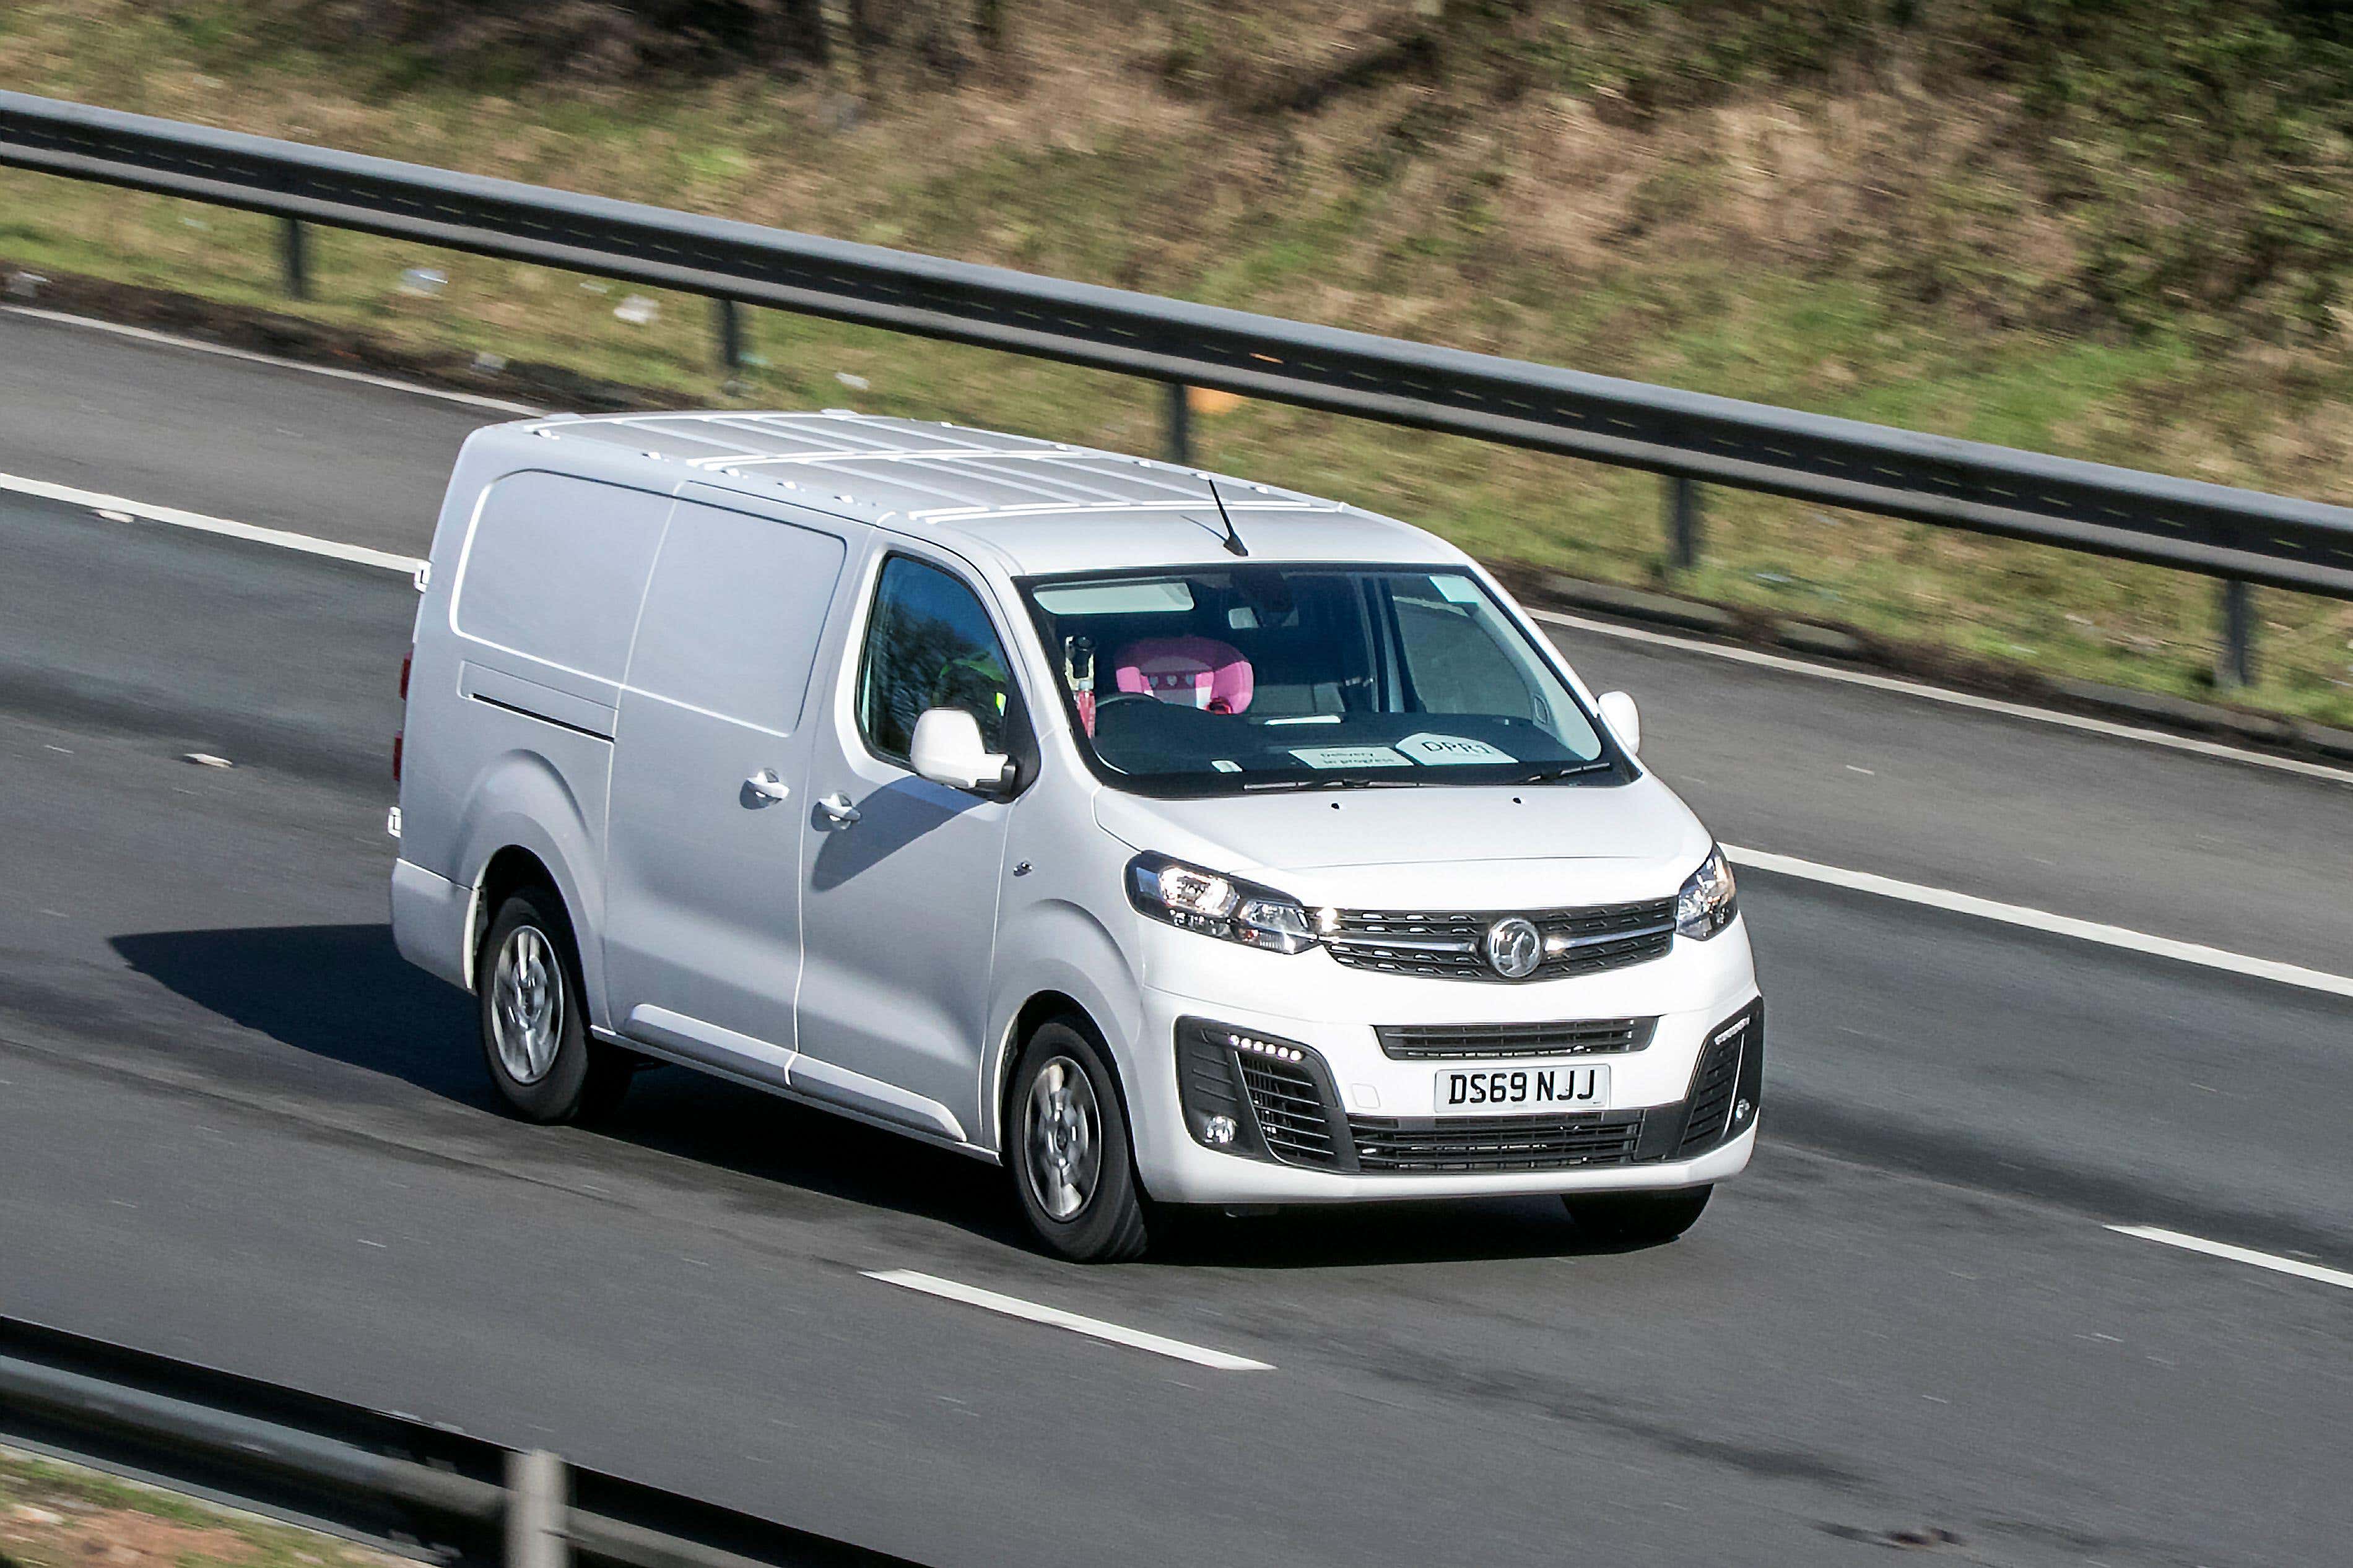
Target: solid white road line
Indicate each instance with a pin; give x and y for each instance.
(1580, 623)
(1789, 866)
(2336, 1276)
(1054, 1317)
(365, 378)
(203, 524)
(2042, 920)
(1951, 699)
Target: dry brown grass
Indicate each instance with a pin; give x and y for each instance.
(1882, 243)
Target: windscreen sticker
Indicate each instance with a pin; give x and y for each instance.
(1456, 590)
(1349, 757)
(1451, 751)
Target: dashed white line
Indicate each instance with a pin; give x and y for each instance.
(2302, 1270)
(173, 516)
(333, 373)
(1054, 1317)
(2043, 921)
(1952, 698)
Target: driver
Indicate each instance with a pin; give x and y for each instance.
(976, 682)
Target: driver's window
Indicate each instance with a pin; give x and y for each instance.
(929, 644)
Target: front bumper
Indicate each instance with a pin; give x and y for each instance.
(1334, 1118)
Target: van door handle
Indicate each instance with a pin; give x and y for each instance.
(838, 809)
(765, 788)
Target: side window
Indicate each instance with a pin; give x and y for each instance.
(731, 621)
(929, 644)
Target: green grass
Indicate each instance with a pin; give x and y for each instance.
(1082, 170)
(55, 1515)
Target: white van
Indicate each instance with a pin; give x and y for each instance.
(1165, 839)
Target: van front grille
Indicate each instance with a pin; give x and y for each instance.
(1447, 945)
(1265, 1098)
(1450, 1042)
(1496, 1143)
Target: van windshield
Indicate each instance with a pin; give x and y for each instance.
(1228, 680)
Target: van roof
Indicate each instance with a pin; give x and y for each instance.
(1041, 507)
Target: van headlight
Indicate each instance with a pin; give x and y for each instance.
(1214, 905)
(1705, 906)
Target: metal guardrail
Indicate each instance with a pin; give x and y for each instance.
(424, 1489)
(1692, 439)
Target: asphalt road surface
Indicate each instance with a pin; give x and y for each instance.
(233, 1126)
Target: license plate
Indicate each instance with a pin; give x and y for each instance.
(1465, 1092)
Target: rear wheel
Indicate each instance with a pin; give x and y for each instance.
(1067, 1149)
(1637, 1219)
(535, 1024)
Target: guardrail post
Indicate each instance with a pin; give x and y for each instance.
(294, 256)
(1176, 434)
(2234, 660)
(536, 1507)
(727, 321)
(1681, 498)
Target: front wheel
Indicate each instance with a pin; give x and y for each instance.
(1073, 1172)
(1637, 1219)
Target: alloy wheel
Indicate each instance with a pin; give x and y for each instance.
(527, 1005)
(1063, 1139)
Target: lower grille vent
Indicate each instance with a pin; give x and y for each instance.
(1711, 1091)
(1496, 1143)
(1290, 1111)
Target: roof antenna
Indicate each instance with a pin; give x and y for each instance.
(1233, 540)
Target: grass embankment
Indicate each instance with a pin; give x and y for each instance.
(1855, 223)
(54, 1515)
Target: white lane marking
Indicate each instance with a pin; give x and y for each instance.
(2336, 1276)
(1604, 628)
(1954, 698)
(2042, 920)
(1054, 1317)
(333, 373)
(103, 504)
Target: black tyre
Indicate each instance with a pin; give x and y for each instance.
(1637, 1219)
(534, 1026)
(1067, 1149)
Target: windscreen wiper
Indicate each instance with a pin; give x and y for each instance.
(1567, 770)
(1336, 781)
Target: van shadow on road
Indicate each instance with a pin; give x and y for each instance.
(343, 992)
(340, 992)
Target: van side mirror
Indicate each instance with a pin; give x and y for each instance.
(947, 750)
(1625, 720)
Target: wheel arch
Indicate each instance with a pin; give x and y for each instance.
(525, 821)
(1086, 975)
(508, 870)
